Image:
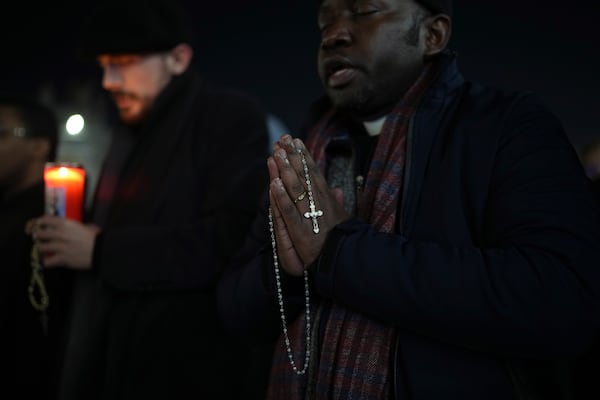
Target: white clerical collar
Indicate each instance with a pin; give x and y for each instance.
(374, 127)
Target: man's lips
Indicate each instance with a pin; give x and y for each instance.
(339, 71)
(122, 100)
(341, 77)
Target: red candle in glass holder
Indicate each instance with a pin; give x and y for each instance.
(65, 189)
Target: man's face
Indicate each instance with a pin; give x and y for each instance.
(370, 53)
(134, 82)
(16, 152)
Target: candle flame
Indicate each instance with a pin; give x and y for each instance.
(63, 172)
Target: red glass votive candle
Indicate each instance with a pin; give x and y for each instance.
(65, 189)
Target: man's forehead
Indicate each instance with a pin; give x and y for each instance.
(321, 4)
(124, 58)
(350, 2)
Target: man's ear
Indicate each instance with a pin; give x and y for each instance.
(437, 33)
(179, 58)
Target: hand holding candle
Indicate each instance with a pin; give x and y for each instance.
(65, 190)
(60, 235)
(64, 242)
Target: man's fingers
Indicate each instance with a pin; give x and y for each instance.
(338, 194)
(292, 181)
(317, 178)
(284, 203)
(286, 253)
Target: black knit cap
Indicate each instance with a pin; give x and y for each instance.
(438, 6)
(135, 26)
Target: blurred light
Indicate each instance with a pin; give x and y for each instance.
(75, 124)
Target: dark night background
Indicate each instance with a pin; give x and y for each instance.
(268, 47)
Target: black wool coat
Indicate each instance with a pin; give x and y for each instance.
(491, 277)
(174, 201)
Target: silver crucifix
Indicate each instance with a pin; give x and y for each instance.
(313, 214)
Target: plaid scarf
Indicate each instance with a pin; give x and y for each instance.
(352, 358)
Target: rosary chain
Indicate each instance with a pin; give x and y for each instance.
(288, 345)
(37, 280)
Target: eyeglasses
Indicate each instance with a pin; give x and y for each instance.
(6, 132)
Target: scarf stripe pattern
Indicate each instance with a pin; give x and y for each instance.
(352, 360)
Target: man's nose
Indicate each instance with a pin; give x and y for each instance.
(111, 77)
(336, 35)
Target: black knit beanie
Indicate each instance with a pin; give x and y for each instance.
(134, 26)
(438, 6)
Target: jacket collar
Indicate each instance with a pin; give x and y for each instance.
(449, 78)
